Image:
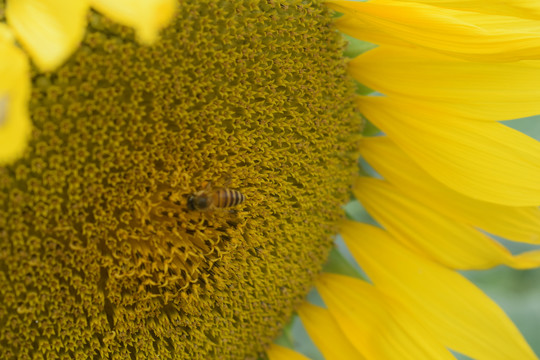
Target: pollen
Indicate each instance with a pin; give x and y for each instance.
(100, 254)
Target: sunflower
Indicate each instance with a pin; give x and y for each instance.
(101, 254)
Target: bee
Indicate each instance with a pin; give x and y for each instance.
(207, 199)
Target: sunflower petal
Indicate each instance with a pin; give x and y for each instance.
(148, 17)
(454, 310)
(276, 352)
(527, 9)
(378, 326)
(513, 223)
(326, 334)
(15, 85)
(456, 245)
(352, 25)
(483, 160)
(472, 90)
(50, 30)
(459, 33)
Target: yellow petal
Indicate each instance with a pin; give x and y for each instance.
(527, 9)
(276, 352)
(50, 30)
(352, 25)
(326, 334)
(483, 160)
(15, 85)
(459, 33)
(148, 17)
(451, 307)
(471, 90)
(378, 326)
(513, 223)
(422, 228)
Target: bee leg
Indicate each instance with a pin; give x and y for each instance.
(228, 181)
(206, 185)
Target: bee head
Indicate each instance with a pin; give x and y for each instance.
(199, 202)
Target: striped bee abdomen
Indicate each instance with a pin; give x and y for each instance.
(224, 198)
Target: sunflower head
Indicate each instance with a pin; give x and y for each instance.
(100, 252)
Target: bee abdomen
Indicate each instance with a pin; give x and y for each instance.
(227, 198)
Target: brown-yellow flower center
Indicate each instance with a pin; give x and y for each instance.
(100, 254)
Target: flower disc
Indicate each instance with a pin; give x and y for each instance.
(100, 254)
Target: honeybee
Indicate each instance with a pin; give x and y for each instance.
(207, 199)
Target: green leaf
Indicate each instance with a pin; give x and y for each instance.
(337, 264)
(370, 129)
(287, 337)
(356, 47)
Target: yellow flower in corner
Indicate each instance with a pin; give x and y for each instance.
(14, 93)
(51, 30)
